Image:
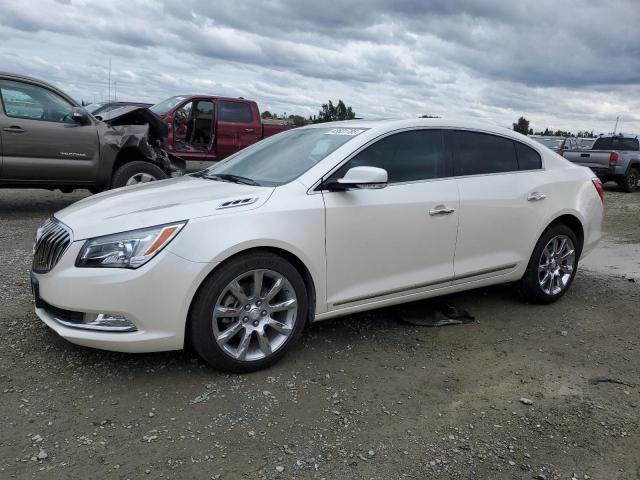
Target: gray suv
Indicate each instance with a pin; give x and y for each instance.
(49, 141)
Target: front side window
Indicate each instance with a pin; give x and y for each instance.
(24, 100)
(408, 156)
(283, 157)
(481, 153)
(235, 112)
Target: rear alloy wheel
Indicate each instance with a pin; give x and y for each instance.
(630, 181)
(552, 266)
(249, 313)
(135, 173)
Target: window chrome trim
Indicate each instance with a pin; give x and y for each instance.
(314, 188)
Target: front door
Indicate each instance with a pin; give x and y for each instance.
(399, 240)
(41, 143)
(193, 133)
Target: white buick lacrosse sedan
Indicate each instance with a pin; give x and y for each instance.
(313, 223)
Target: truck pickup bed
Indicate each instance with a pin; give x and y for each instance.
(612, 158)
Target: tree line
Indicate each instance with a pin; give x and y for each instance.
(329, 112)
(522, 126)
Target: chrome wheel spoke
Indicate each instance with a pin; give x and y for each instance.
(283, 306)
(243, 346)
(279, 327)
(229, 333)
(226, 312)
(258, 275)
(275, 288)
(263, 343)
(236, 289)
(567, 254)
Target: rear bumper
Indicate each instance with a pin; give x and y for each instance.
(155, 298)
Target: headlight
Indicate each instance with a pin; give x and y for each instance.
(128, 249)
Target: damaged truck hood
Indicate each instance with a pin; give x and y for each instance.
(156, 203)
(132, 115)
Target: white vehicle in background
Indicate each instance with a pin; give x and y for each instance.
(313, 223)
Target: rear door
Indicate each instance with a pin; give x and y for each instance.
(41, 143)
(502, 203)
(238, 126)
(398, 240)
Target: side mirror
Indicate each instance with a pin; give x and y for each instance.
(361, 178)
(80, 116)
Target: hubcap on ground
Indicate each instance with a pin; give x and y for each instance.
(254, 315)
(140, 178)
(556, 265)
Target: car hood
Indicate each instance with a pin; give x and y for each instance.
(135, 115)
(157, 203)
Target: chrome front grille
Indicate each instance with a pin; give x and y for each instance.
(52, 240)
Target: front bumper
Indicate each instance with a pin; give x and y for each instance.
(155, 297)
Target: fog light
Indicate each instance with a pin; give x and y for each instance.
(107, 322)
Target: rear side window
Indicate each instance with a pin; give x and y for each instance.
(528, 158)
(406, 156)
(481, 153)
(619, 143)
(235, 112)
(602, 143)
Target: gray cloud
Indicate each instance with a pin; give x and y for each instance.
(572, 67)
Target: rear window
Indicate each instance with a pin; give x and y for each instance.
(235, 112)
(602, 143)
(478, 153)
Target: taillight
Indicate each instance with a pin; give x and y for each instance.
(613, 158)
(599, 187)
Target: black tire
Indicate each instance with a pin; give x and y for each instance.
(629, 183)
(530, 283)
(201, 330)
(129, 170)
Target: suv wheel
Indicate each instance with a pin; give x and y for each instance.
(552, 266)
(137, 172)
(249, 313)
(629, 182)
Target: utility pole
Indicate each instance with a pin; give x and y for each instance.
(616, 127)
(115, 89)
(109, 80)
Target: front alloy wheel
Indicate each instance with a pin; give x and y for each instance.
(249, 312)
(254, 315)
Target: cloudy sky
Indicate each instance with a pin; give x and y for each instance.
(563, 64)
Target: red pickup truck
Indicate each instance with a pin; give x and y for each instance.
(205, 129)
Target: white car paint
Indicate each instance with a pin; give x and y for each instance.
(362, 248)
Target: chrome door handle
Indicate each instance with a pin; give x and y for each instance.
(536, 196)
(441, 210)
(249, 130)
(14, 129)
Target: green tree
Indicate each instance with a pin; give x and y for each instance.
(332, 113)
(266, 114)
(522, 126)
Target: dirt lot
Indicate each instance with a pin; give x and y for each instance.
(364, 397)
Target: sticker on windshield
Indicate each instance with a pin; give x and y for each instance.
(351, 132)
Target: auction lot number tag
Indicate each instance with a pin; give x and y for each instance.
(351, 132)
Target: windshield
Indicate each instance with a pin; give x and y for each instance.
(163, 107)
(283, 157)
(550, 142)
(93, 107)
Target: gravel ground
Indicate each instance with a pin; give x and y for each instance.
(528, 392)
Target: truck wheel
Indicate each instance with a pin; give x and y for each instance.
(136, 172)
(629, 182)
(552, 266)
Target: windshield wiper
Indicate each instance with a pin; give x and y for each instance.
(228, 177)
